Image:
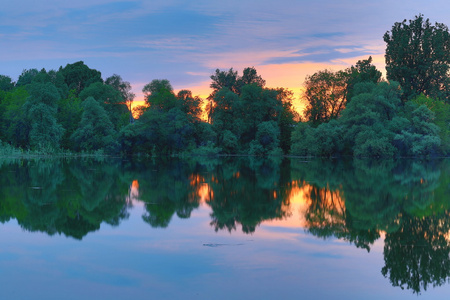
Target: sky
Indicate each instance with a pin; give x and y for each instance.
(186, 41)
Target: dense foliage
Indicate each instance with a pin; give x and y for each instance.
(348, 112)
(74, 109)
(354, 112)
(418, 57)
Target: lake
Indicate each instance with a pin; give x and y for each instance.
(234, 228)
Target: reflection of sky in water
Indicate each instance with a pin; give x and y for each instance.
(188, 260)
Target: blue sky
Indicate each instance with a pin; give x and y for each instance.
(185, 41)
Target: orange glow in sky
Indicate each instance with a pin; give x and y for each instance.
(290, 76)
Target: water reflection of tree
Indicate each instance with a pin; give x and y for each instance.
(168, 187)
(248, 193)
(56, 196)
(408, 200)
(327, 216)
(241, 190)
(417, 255)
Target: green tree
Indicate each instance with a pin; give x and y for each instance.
(111, 101)
(95, 130)
(27, 77)
(180, 131)
(79, 76)
(326, 96)
(238, 104)
(14, 124)
(69, 116)
(363, 71)
(124, 88)
(45, 131)
(250, 76)
(441, 112)
(191, 105)
(41, 109)
(418, 57)
(224, 79)
(54, 77)
(159, 95)
(374, 124)
(256, 105)
(231, 81)
(6, 83)
(229, 142)
(421, 137)
(288, 118)
(266, 140)
(224, 115)
(324, 140)
(371, 120)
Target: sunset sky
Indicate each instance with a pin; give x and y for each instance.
(185, 41)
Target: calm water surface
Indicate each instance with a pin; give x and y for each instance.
(224, 229)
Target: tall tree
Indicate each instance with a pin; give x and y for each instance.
(27, 77)
(250, 76)
(159, 94)
(111, 100)
(418, 57)
(288, 118)
(6, 83)
(363, 71)
(232, 81)
(14, 124)
(69, 116)
(224, 79)
(41, 108)
(190, 104)
(256, 105)
(326, 95)
(124, 88)
(79, 76)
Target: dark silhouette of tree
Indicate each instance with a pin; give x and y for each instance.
(326, 96)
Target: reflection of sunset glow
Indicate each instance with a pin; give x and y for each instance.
(299, 202)
(133, 196)
(196, 179)
(134, 190)
(203, 191)
(296, 204)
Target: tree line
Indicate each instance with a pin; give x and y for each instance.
(74, 109)
(354, 112)
(348, 112)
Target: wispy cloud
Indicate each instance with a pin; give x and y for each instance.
(185, 41)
